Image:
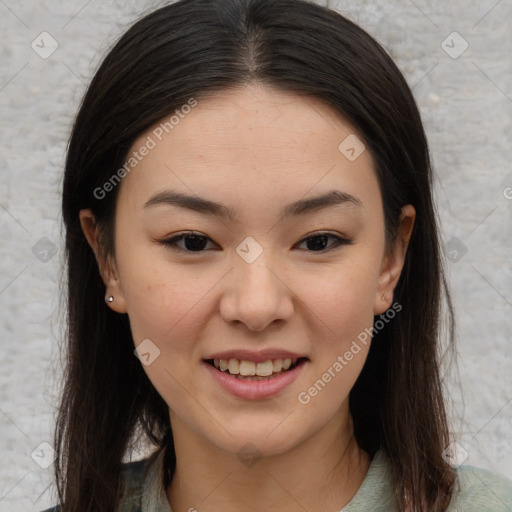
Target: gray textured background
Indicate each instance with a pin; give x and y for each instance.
(466, 104)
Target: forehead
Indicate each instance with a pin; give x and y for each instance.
(251, 144)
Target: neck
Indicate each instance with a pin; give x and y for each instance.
(322, 474)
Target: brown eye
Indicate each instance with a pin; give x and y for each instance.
(319, 242)
(193, 242)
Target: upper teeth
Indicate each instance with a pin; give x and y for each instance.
(263, 369)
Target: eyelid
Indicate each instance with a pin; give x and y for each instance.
(340, 240)
(169, 241)
(323, 232)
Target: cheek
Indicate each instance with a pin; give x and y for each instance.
(340, 340)
(341, 299)
(342, 305)
(169, 308)
(162, 302)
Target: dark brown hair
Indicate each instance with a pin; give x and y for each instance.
(193, 48)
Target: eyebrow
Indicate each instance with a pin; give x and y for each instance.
(301, 207)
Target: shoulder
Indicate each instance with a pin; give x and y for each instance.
(480, 489)
(132, 474)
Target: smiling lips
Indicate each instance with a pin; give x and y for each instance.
(255, 375)
(244, 368)
(251, 365)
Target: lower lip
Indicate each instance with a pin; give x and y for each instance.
(255, 389)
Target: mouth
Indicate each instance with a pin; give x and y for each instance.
(252, 371)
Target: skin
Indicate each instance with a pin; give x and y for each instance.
(254, 149)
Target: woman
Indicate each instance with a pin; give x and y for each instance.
(254, 275)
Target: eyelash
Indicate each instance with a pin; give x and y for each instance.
(171, 242)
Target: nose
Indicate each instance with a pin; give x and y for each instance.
(256, 294)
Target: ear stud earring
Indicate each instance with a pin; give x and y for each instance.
(110, 299)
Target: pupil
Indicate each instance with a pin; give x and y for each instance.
(314, 243)
(198, 242)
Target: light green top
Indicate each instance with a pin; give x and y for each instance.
(478, 490)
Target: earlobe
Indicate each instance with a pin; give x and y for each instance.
(115, 300)
(393, 262)
(106, 267)
(383, 302)
(116, 304)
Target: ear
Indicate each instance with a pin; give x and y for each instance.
(393, 262)
(106, 265)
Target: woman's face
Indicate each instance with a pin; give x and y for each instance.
(257, 283)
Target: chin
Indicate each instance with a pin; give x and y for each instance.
(262, 441)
